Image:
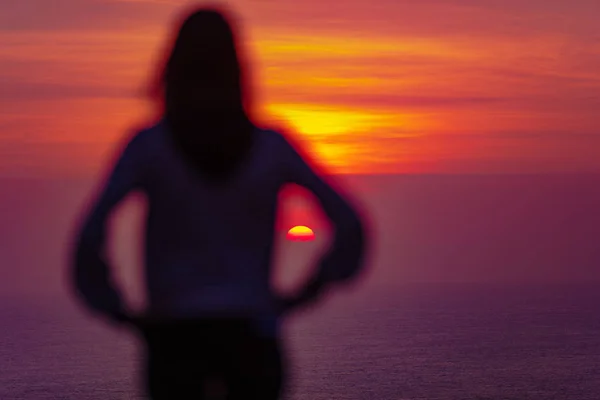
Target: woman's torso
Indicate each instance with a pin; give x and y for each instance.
(208, 248)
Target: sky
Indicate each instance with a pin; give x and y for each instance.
(384, 86)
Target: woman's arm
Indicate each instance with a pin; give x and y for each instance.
(90, 272)
(344, 259)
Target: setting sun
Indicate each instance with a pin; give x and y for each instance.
(300, 234)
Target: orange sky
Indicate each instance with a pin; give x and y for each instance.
(384, 86)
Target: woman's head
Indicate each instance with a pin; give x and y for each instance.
(203, 92)
(203, 69)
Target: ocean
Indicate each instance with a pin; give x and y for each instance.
(480, 287)
(420, 341)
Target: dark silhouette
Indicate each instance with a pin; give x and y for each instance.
(211, 178)
(204, 96)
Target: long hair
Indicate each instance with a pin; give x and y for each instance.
(203, 92)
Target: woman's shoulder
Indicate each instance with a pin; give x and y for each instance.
(276, 137)
(146, 137)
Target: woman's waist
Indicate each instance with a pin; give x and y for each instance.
(228, 299)
(262, 320)
(195, 272)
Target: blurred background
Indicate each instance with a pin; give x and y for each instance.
(467, 129)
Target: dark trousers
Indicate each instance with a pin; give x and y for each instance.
(211, 359)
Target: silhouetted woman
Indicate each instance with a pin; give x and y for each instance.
(211, 178)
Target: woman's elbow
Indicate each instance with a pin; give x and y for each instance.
(84, 255)
(353, 225)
